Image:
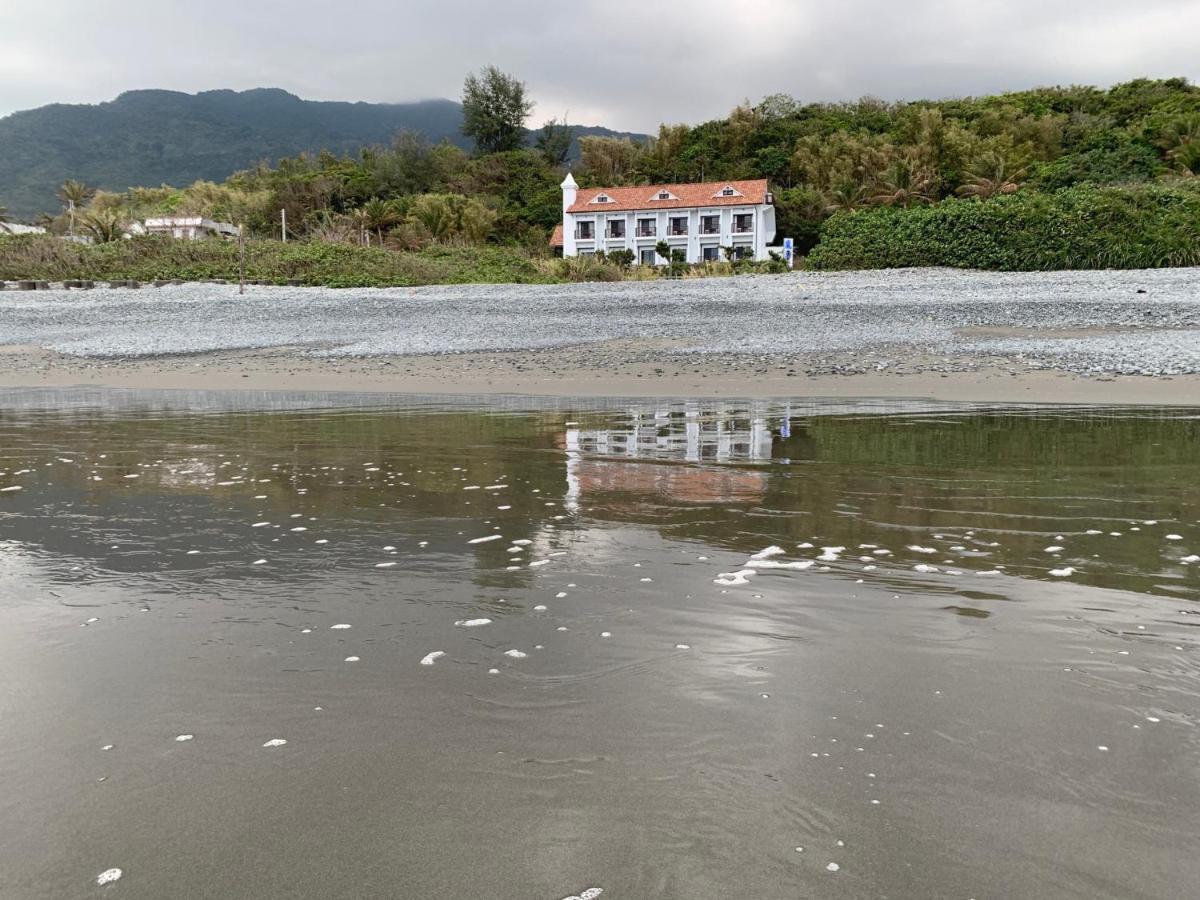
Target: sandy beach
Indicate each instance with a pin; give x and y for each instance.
(574, 373)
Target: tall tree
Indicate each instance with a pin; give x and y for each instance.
(74, 194)
(608, 160)
(554, 141)
(494, 110)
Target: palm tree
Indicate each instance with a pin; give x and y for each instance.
(846, 197)
(381, 214)
(991, 176)
(334, 229)
(904, 185)
(361, 223)
(437, 213)
(104, 225)
(1179, 140)
(1187, 159)
(74, 194)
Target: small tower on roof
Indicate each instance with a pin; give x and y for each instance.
(569, 189)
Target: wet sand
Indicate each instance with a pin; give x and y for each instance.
(722, 650)
(614, 369)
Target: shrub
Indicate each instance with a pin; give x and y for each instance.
(310, 262)
(1084, 227)
(621, 258)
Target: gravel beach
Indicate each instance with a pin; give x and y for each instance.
(1120, 336)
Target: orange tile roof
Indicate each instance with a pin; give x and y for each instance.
(556, 239)
(686, 196)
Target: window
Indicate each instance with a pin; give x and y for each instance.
(616, 228)
(679, 226)
(663, 194)
(602, 198)
(646, 228)
(743, 252)
(710, 224)
(728, 191)
(743, 223)
(647, 256)
(584, 231)
(711, 254)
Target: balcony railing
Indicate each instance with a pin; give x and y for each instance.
(646, 231)
(744, 226)
(615, 233)
(581, 235)
(677, 231)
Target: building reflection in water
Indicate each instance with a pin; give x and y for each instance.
(635, 455)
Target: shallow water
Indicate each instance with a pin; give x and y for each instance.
(892, 676)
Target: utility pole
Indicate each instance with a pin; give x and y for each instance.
(283, 223)
(241, 259)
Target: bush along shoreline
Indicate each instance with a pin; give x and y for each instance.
(1082, 227)
(315, 263)
(1085, 227)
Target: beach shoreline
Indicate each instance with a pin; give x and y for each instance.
(582, 372)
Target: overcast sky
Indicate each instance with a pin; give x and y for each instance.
(627, 64)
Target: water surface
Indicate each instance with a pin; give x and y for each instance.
(730, 650)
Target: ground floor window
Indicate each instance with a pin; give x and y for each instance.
(647, 256)
(711, 254)
(743, 252)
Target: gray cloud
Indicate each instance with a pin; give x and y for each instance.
(623, 63)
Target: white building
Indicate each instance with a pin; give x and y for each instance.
(190, 228)
(17, 228)
(699, 219)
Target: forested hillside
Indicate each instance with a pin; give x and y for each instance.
(1060, 177)
(166, 137)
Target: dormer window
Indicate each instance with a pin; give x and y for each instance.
(663, 194)
(602, 198)
(728, 191)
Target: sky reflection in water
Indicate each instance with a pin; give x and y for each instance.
(665, 646)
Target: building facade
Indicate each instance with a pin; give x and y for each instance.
(698, 219)
(190, 228)
(13, 228)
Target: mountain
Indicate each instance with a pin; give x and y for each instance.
(157, 137)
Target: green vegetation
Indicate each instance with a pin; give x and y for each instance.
(308, 262)
(1041, 179)
(316, 263)
(1085, 227)
(166, 137)
(495, 108)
